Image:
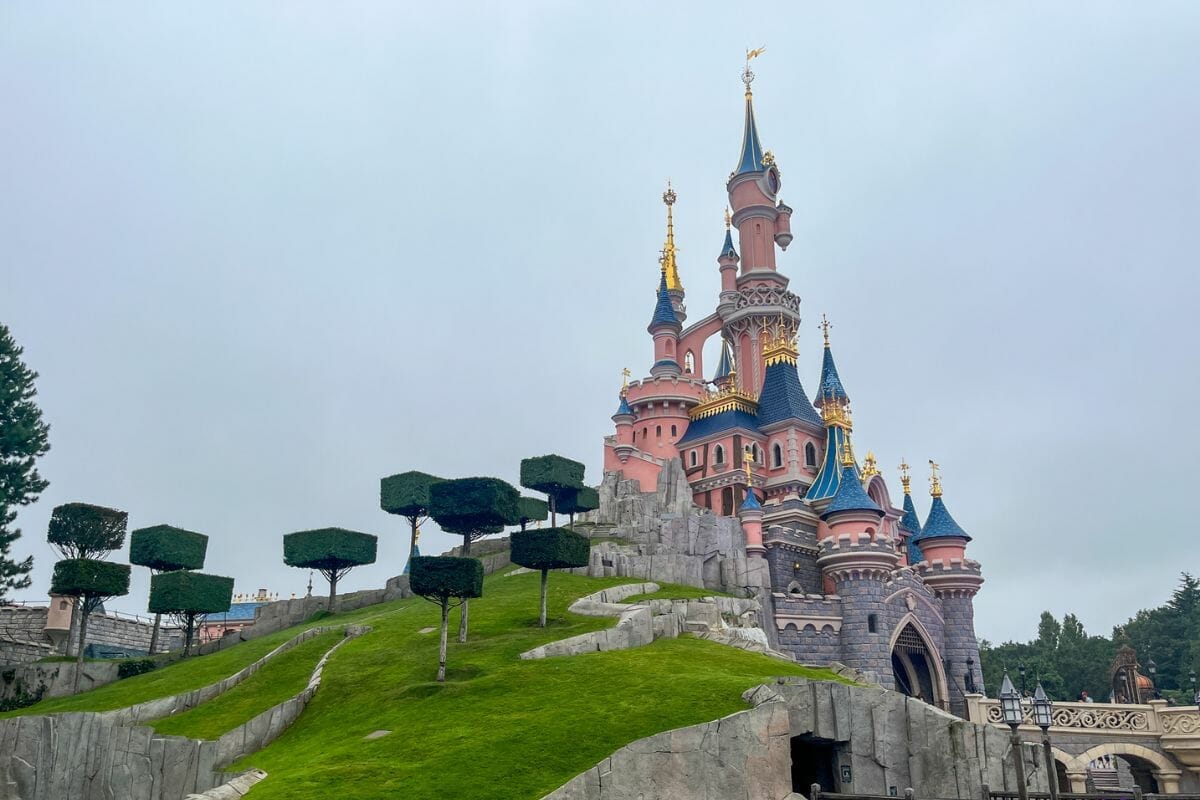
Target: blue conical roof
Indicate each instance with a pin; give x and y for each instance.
(751, 502)
(912, 523)
(623, 407)
(831, 385)
(752, 153)
(850, 495)
(940, 525)
(783, 396)
(725, 365)
(728, 250)
(664, 313)
(825, 485)
(416, 551)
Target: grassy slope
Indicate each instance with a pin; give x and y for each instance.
(672, 591)
(500, 727)
(284, 676)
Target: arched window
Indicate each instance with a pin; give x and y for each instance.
(658, 431)
(693, 458)
(810, 455)
(777, 456)
(718, 455)
(673, 431)
(645, 433)
(689, 362)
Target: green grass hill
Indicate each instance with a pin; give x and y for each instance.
(498, 728)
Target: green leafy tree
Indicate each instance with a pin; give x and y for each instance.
(473, 508)
(551, 475)
(331, 551)
(189, 596)
(442, 580)
(530, 509)
(577, 501)
(90, 581)
(24, 438)
(407, 495)
(164, 548)
(546, 549)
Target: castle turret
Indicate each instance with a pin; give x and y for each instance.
(728, 262)
(668, 259)
(835, 414)
(664, 327)
(623, 419)
(751, 515)
(725, 375)
(955, 580)
(910, 523)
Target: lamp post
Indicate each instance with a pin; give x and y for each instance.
(1152, 668)
(1120, 698)
(1043, 717)
(1195, 694)
(1010, 707)
(970, 676)
(1021, 669)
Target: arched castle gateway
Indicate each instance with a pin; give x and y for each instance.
(852, 577)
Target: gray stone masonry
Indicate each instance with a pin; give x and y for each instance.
(23, 638)
(882, 739)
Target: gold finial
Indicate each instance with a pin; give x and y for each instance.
(779, 345)
(747, 458)
(905, 479)
(935, 480)
(667, 259)
(847, 453)
(416, 533)
(625, 373)
(747, 75)
(825, 326)
(768, 158)
(727, 218)
(870, 467)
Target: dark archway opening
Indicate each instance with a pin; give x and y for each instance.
(1142, 772)
(813, 761)
(911, 667)
(1064, 782)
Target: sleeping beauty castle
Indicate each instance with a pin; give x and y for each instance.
(852, 577)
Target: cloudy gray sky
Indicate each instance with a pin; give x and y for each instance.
(264, 253)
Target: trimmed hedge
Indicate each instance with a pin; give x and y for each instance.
(576, 501)
(167, 548)
(406, 494)
(127, 669)
(89, 577)
(466, 505)
(531, 509)
(81, 530)
(186, 592)
(442, 577)
(328, 548)
(551, 474)
(550, 548)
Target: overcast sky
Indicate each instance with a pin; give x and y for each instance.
(263, 254)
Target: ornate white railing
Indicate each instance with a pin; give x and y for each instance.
(1152, 719)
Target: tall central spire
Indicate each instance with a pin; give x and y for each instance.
(668, 253)
(751, 159)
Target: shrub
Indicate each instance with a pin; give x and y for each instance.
(127, 669)
(407, 493)
(80, 530)
(551, 548)
(166, 548)
(465, 505)
(577, 501)
(190, 592)
(531, 509)
(331, 551)
(89, 578)
(551, 474)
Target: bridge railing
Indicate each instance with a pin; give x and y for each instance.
(1151, 719)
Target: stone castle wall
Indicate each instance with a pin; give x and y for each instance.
(23, 638)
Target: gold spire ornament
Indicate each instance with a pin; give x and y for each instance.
(905, 478)
(935, 480)
(847, 453)
(825, 326)
(727, 218)
(747, 75)
(667, 260)
(747, 459)
(625, 373)
(870, 467)
(779, 345)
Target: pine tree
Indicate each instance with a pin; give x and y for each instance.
(23, 438)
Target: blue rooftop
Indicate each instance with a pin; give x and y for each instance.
(664, 313)
(826, 483)
(751, 502)
(912, 523)
(752, 153)
(718, 423)
(728, 250)
(237, 612)
(940, 525)
(831, 384)
(623, 407)
(725, 365)
(783, 397)
(850, 495)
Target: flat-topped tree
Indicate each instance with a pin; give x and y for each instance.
(407, 495)
(551, 475)
(189, 596)
(90, 581)
(546, 549)
(441, 580)
(473, 508)
(578, 501)
(165, 548)
(331, 551)
(530, 509)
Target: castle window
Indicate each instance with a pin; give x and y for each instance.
(658, 431)
(777, 456)
(693, 458)
(673, 431)
(810, 455)
(872, 623)
(718, 455)
(645, 433)
(689, 362)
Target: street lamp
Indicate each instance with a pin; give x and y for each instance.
(970, 676)
(1014, 715)
(1152, 668)
(1021, 669)
(1195, 694)
(1120, 698)
(1043, 717)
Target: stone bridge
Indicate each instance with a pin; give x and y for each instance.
(1154, 740)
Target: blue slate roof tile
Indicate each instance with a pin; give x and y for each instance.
(940, 525)
(783, 397)
(664, 313)
(850, 495)
(718, 423)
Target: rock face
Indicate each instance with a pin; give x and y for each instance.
(858, 740)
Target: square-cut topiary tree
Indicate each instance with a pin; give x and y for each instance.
(165, 548)
(82, 530)
(189, 596)
(89, 581)
(331, 551)
(530, 509)
(407, 495)
(550, 475)
(442, 580)
(547, 549)
(472, 508)
(577, 501)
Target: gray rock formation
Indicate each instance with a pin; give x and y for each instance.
(871, 741)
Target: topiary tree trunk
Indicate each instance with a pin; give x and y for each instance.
(331, 551)
(552, 548)
(441, 579)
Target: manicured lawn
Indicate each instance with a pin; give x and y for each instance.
(675, 591)
(284, 676)
(499, 727)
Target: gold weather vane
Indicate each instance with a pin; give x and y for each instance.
(747, 75)
(904, 476)
(935, 480)
(416, 533)
(625, 373)
(747, 457)
(726, 217)
(870, 466)
(825, 326)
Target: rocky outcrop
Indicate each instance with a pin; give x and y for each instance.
(871, 740)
